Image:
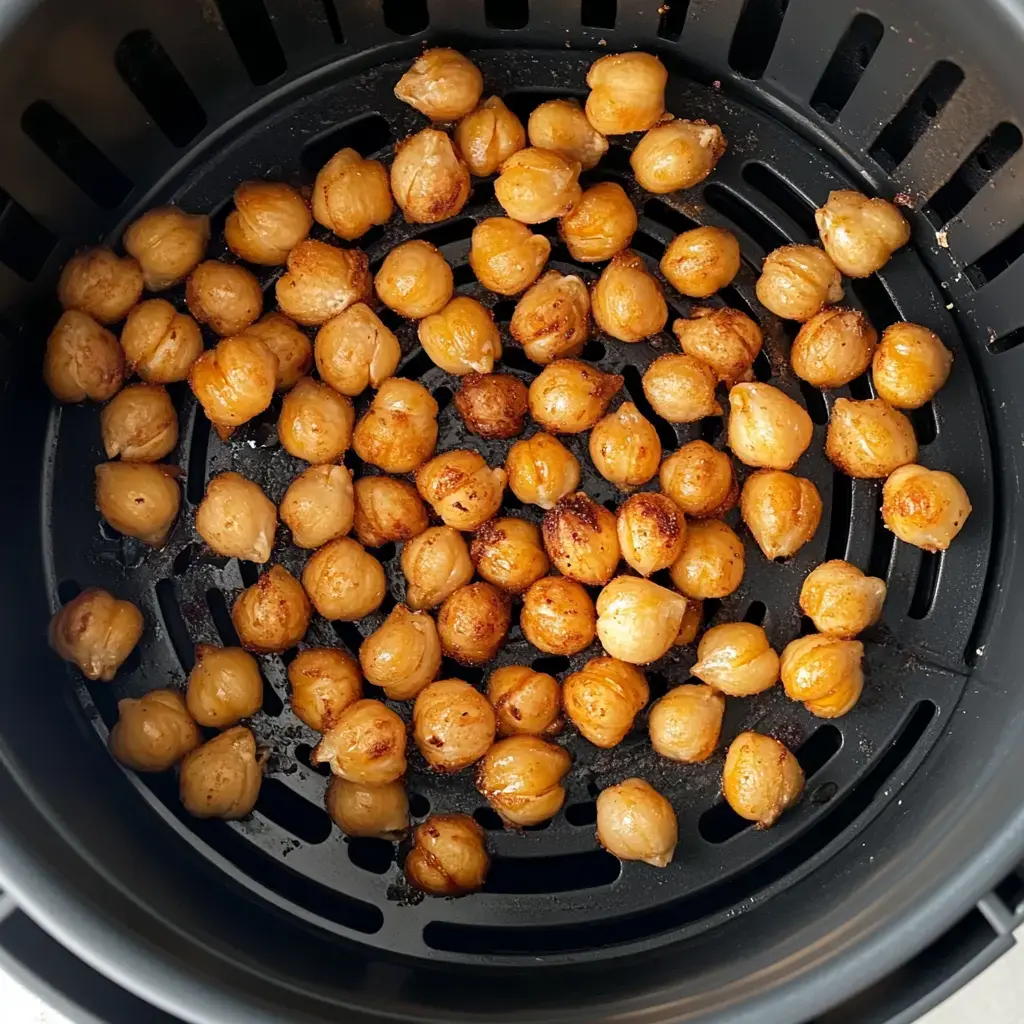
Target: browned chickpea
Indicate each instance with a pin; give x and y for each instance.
(712, 561)
(797, 280)
(448, 857)
(414, 280)
(97, 632)
(541, 470)
(462, 489)
(429, 181)
(154, 732)
(322, 281)
(224, 296)
(627, 92)
(160, 344)
(625, 448)
(373, 812)
(690, 626)
(436, 563)
(552, 319)
(273, 614)
(403, 655)
(399, 430)
(568, 396)
(462, 338)
(83, 360)
(224, 686)
(366, 744)
(292, 348)
(700, 261)
(581, 539)
(387, 510)
(236, 519)
(453, 725)
(473, 622)
(677, 154)
(834, 347)
(506, 256)
(526, 702)
(600, 225)
(638, 621)
(840, 701)
(627, 300)
(562, 127)
(840, 600)
(782, 511)
(536, 185)
(101, 284)
(355, 350)
(681, 388)
(558, 616)
(344, 581)
(270, 218)
(604, 698)
(351, 195)
(488, 136)
(766, 427)
(820, 668)
(924, 507)
(685, 724)
(635, 822)
(442, 83)
(521, 778)
(221, 779)
(910, 365)
(509, 554)
(651, 531)
(736, 659)
(324, 682)
(858, 233)
(140, 499)
(315, 422)
(700, 480)
(761, 778)
(725, 339)
(168, 244)
(492, 405)
(234, 381)
(319, 506)
(869, 439)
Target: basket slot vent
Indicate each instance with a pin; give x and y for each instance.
(405, 17)
(925, 425)
(304, 754)
(218, 605)
(373, 855)
(673, 19)
(174, 623)
(779, 191)
(294, 813)
(489, 819)
(839, 517)
(195, 482)
(883, 543)
(846, 66)
(419, 805)
(367, 135)
(756, 613)
(745, 217)
(988, 267)
(668, 216)
(1007, 342)
(568, 872)
(644, 243)
(598, 13)
(25, 244)
(523, 102)
(735, 299)
(333, 21)
(815, 402)
(927, 585)
(447, 232)
(252, 32)
(68, 590)
(878, 306)
(507, 14)
(553, 664)
(757, 29)
(582, 814)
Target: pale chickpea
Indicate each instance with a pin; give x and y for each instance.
(140, 499)
(737, 659)
(600, 225)
(627, 301)
(492, 405)
(685, 724)
(270, 218)
(834, 347)
(324, 682)
(840, 600)
(462, 337)
(699, 262)
(221, 779)
(700, 480)
(506, 256)
(552, 320)
(403, 655)
(372, 812)
(398, 432)
(797, 280)
(462, 489)
(677, 154)
(541, 470)
(319, 506)
(344, 581)
(603, 698)
(924, 507)
(581, 539)
(712, 561)
(442, 84)
(521, 778)
(625, 447)
(139, 424)
(558, 616)
(627, 92)
(168, 244)
(365, 744)
(509, 554)
(322, 281)
(782, 511)
(292, 348)
(638, 621)
(635, 822)
(488, 136)
(153, 733)
(387, 510)
(681, 388)
(436, 563)
(101, 284)
(414, 280)
(910, 365)
(526, 702)
(236, 519)
(869, 439)
(83, 360)
(448, 857)
(160, 344)
(315, 422)
(651, 531)
(224, 296)
(453, 725)
(351, 195)
(473, 622)
(761, 778)
(820, 668)
(858, 233)
(429, 181)
(273, 614)
(536, 185)
(561, 126)
(725, 339)
(224, 686)
(568, 396)
(766, 427)
(234, 381)
(355, 350)
(97, 632)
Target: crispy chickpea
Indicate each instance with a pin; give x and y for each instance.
(509, 554)
(834, 347)
(351, 195)
(840, 701)
(399, 430)
(436, 563)
(140, 499)
(521, 778)
(625, 448)
(473, 622)
(562, 127)
(526, 702)
(387, 510)
(160, 344)
(462, 338)
(236, 519)
(453, 725)
(558, 616)
(442, 83)
(736, 659)
(83, 360)
(270, 218)
(638, 621)
(488, 136)
(823, 668)
(414, 280)
(677, 154)
(840, 600)
(627, 301)
(97, 632)
(154, 732)
(506, 256)
(492, 405)
(635, 822)
(536, 185)
(234, 381)
(700, 480)
(681, 388)
(168, 244)
(429, 181)
(690, 626)
(315, 422)
(319, 506)
(403, 655)
(712, 561)
(448, 857)
(910, 365)
(552, 320)
(322, 281)
(627, 92)
(372, 812)
(797, 280)
(725, 339)
(600, 225)
(568, 396)
(782, 511)
(604, 698)
(224, 296)
(541, 470)
(344, 581)
(858, 233)
(581, 539)
(766, 427)
(685, 724)
(700, 261)
(324, 682)
(221, 779)
(101, 284)
(224, 686)
(292, 348)
(366, 744)
(273, 614)
(462, 489)
(651, 531)
(924, 507)
(869, 439)
(761, 778)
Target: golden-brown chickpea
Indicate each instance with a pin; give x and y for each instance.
(651, 531)
(355, 350)
(324, 682)
(834, 347)
(351, 195)
(462, 489)
(736, 659)
(910, 365)
(568, 396)
(153, 733)
(101, 284)
(403, 655)
(681, 388)
(625, 448)
(83, 360)
(581, 539)
(160, 344)
(221, 779)
(373, 812)
(858, 233)
(766, 427)
(782, 511)
(236, 519)
(168, 244)
(725, 339)
(492, 405)
(526, 702)
(690, 626)
(366, 744)
(638, 621)
(234, 381)
(561, 126)
(700, 480)
(224, 686)
(521, 778)
(387, 510)
(600, 225)
(604, 698)
(536, 185)
(344, 581)
(319, 506)
(473, 622)
(627, 301)
(818, 667)
(488, 136)
(399, 430)
(436, 563)
(506, 256)
(635, 822)
(315, 422)
(442, 83)
(552, 320)
(712, 561)
(448, 857)
(797, 280)
(840, 600)
(292, 348)
(700, 261)
(869, 439)
(840, 701)
(558, 616)
(761, 778)
(924, 507)
(462, 338)
(685, 724)
(541, 470)
(273, 614)
(627, 92)
(140, 499)
(322, 281)
(453, 725)
(414, 280)
(509, 554)
(97, 632)
(677, 154)
(429, 181)
(224, 296)
(270, 218)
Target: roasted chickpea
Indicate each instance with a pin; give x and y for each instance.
(834, 347)
(488, 136)
(509, 554)
(221, 779)
(236, 519)
(858, 233)
(492, 405)
(627, 93)
(436, 563)
(414, 280)
(322, 281)
(677, 154)
(292, 348)
(562, 127)
(536, 185)
(462, 489)
(638, 621)
(823, 668)
(224, 686)
(319, 506)
(101, 284)
(840, 600)
(712, 561)
(541, 470)
(351, 195)
(526, 702)
(521, 778)
(344, 581)
(840, 701)
(700, 480)
(910, 365)
(453, 725)
(725, 339)
(869, 439)
(429, 181)
(552, 319)
(403, 655)
(635, 822)
(685, 724)
(651, 531)
(924, 507)
(568, 396)
(681, 388)
(473, 622)
(270, 218)
(355, 350)
(442, 83)
(160, 344)
(153, 733)
(224, 296)
(627, 300)
(558, 616)
(373, 812)
(273, 614)
(324, 682)
(797, 280)
(761, 778)
(140, 499)
(506, 256)
(766, 427)
(83, 360)
(600, 225)
(736, 659)
(581, 539)
(387, 510)
(604, 698)
(782, 511)
(315, 422)
(234, 381)
(690, 626)
(448, 857)
(399, 430)
(462, 338)
(168, 244)
(366, 744)
(699, 262)
(625, 448)
(97, 632)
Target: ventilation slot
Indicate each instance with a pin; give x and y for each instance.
(448, 232)
(673, 19)
(925, 426)
(643, 243)
(598, 13)
(755, 613)
(1007, 341)
(820, 747)
(25, 244)
(374, 855)
(846, 66)
(524, 102)
(406, 17)
(783, 195)
(348, 633)
(744, 217)
(174, 623)
(815, 402)
(333, 22)
(635, 387)
(927, 101)
(860, 387)
(488, 818)
(877, 303)
(304, 754)
(367, 135)
(582, 814)
(249, 571)
(252, 32)
(754, 39)
(988, 267)
(286, 809)
(668, 216)
(569, 872)
(926, 586)
(68, 590)
(419, 805)
(762, 367)
(195, 484)
(419, 362)
(882, 543)
(509, 14)
(839, 516)
(552, 664)
(218, 606)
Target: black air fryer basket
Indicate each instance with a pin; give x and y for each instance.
(914, 808)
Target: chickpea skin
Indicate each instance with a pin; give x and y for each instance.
(315, 422)
(536, 185)
(625, 447)
(442, 84)
(96, 632)
(292, 348)
(712, 561)
(404, 655)
(509, 554)
(236, 519)
(351, 195)
(398, 432)
(140, 499)
(910, 365)
(506, 256)
(638, 621)
(322, 281)
(766, 427)
(635, 822)
(429, 181)
(600, 225)
(700, 480)
(824, 672)
(761, 778)
(224, 686)
(834, 347)
(100, 284)
(462, 338)
(319, 506)
(344, 581)
(558, 616)
(541, 470)
(488, 136)
(685, 724)
(324, 682)
(168, 244)
(627, 93)
(552, 320)
(436, 563)
(782, 511)
(860, 234)
(448, 857)
(453, 725)
(387, 510)
(568, 396)
(699, 262)
(234, 381)
(139, 424)
(561, 126)
(273, 614)
(681, 388)
(224, 296)
(270, 218)
(366, 744)
(153, 733)
(526, 702)
(627, 301)
(472, 623)
(736, 659)
(797, 280)
(492, 405)
(581, 539)
(83, 360)
(521, 778)
(869, 439)
(160, 344)
(725, 339)
(924, 507)
(221, 779)
(372, 812)
(415, 280)
(651, 532)
(603, 698)
(677, 154)
(840, 600)
(355, 350)
(462, 489)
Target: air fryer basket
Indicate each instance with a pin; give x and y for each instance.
(912, 807)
